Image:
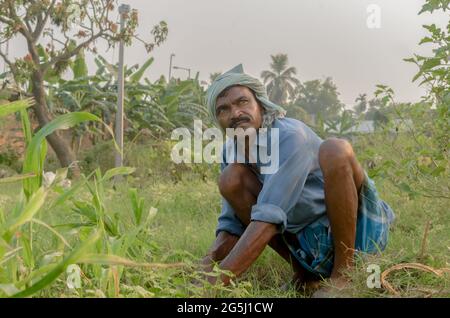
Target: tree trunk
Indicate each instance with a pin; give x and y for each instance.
(61, 147)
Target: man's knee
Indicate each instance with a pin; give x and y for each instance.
(336, 155)
(232, 180)
(337, 158)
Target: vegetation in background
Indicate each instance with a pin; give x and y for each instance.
(79, 24)
(280, 80)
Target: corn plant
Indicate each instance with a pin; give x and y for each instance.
(106, 240)
(120, 239)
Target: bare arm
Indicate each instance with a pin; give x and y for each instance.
(223, 244)
(251, 244)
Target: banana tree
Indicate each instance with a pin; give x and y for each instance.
(156, 106)
(342, 126)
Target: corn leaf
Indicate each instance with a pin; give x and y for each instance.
(72, 258)
(17, 178)
(37, 149)
(26, 126)
(16, 106)
(118, 171)
(29, 210)
(108, 259)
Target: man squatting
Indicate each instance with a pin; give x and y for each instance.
(315, 211)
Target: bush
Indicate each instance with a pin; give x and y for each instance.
(152, 161)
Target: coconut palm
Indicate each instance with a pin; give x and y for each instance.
(361, 105)
(280, 80)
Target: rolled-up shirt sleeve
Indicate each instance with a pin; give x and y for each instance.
(281, 189)
(228, 221)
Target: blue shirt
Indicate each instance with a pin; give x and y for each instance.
(293, 196)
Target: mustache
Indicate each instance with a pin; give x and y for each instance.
(236, 121)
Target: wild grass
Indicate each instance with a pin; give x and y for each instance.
(188, 204)
(99, 238)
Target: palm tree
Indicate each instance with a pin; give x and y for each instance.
(361, 105)
(280, 79)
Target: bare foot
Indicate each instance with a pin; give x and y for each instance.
(297, 281)
(307, 284)
(333, 289)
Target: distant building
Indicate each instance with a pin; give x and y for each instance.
(368, 126)
(364, 127)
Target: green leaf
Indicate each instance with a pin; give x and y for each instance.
(29, 210)
(117, 171)
(425, 40)
(426, 7)
(417, 76)
(79, 67)
(26, 251)
(42, 155)
(71, 192)
(430, 63)
(137, 204)
(410, 60)
(36, 151)
(10, 108)
(42, 53)
(17, 178)
(72, 258)
(85, 209)
(26, 126)
(108, 259)
(3, 245)
(61, 174)
(426, 80)
(136, 77)
(32, 276)
(431, 28)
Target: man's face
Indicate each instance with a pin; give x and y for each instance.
(238, 108)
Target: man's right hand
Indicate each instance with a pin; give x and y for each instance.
(220, 249)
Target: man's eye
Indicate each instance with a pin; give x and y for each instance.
(243, 101)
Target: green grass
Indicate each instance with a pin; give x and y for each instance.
(188, 215)
(188, 204)
(405, 246)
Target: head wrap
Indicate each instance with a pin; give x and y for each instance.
(236, 76)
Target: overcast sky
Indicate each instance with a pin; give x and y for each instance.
(321, 37)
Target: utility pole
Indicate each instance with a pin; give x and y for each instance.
(170, 66)
(124, 9)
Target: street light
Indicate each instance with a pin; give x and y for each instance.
(170, 66)
(184, 69)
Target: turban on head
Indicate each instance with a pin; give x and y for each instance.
(236, 76)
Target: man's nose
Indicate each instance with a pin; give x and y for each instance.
(236, 112)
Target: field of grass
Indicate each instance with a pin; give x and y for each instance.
(188, 205)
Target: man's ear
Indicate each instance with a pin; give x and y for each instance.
(261, 108)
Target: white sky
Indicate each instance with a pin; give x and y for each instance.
(321, 37)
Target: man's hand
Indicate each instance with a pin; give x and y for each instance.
(237, 253)
(251, 244)
(223, 244)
